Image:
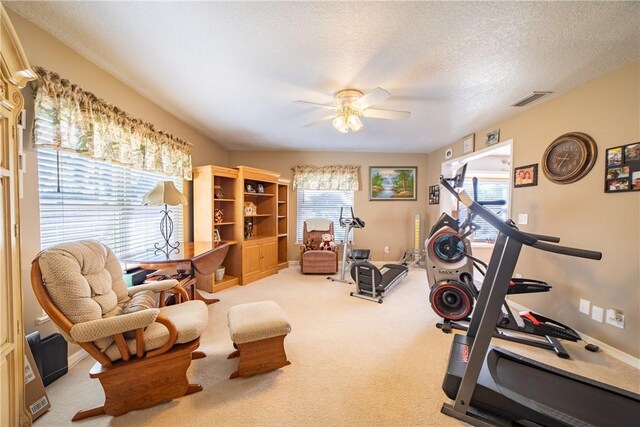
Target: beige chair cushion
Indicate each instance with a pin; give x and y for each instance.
(257, 321)
(190, 318)
(84, 279)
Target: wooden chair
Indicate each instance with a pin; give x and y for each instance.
(142, 357)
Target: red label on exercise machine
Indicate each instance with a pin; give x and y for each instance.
(464, 354)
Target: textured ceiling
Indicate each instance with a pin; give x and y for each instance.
(233, 69)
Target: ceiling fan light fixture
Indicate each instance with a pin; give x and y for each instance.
(355, 124)
(340, 124)
(351, 105)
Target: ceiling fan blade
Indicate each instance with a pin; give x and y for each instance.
(324, 119)
(315, 104)
(386, 114)
(370, 98)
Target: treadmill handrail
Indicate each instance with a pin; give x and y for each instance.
(528, 239)
(552, 239)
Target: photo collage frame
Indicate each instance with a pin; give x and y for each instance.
(623, 168)
(434, 194)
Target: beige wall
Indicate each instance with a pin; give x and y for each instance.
(44, 50)
(608, 109)
(388, 223)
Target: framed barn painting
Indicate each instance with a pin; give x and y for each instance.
(393, 183)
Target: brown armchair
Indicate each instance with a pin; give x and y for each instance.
(318, 261)
(142, 353)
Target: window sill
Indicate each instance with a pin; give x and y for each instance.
(482, 245)
(42, 319)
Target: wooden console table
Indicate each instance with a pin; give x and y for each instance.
(202, 258)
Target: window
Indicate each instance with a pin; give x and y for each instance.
(489, 188)
(492, 167)
(323, 204)
(82, 198)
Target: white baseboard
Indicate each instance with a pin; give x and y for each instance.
(76, 357)
(294, 263)
(612, 351)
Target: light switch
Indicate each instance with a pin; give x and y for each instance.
(597, 314)
(523, 219)
(585, 306)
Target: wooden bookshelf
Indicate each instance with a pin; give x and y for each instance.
(258, 250)
(259, 230)
(214, 187)
(283, 222)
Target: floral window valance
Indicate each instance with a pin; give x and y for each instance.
(336, 177)
(71, 119)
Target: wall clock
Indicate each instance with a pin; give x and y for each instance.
(569, 157)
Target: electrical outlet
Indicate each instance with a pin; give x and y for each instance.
(386, 249)
(597, 314)
(585, 306)
(615, 318)
(523, 219)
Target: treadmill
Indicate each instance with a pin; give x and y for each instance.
(486, 382)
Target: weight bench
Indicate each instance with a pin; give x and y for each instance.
(258, 330)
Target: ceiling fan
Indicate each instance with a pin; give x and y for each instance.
(350, 105)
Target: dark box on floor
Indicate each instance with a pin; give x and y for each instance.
(50, 355)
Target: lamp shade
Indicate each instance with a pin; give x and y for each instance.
(165, 192)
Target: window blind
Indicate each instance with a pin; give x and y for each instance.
(488, 189)
(81, 198)
(323, 204)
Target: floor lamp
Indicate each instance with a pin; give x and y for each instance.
(165, 193)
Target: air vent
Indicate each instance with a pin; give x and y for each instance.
(529, 99)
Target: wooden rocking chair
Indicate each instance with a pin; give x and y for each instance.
(142, 356)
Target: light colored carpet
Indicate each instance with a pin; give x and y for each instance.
(353, 363)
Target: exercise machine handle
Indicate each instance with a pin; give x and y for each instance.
(564, 250)
(543, 237)
(492, 203)
(528, 239)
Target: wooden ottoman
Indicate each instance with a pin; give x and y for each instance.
(258, 330)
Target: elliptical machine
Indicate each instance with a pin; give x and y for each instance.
(450, 266)
(349, 255)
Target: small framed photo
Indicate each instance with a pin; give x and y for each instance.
(493, 137)
(617, 185)
(468, 143)
(635, 181)
(618, 172)
(216, 235)
(525, 176)
(434, 194)
(632, 152)
(614, 156)
(260, 188)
